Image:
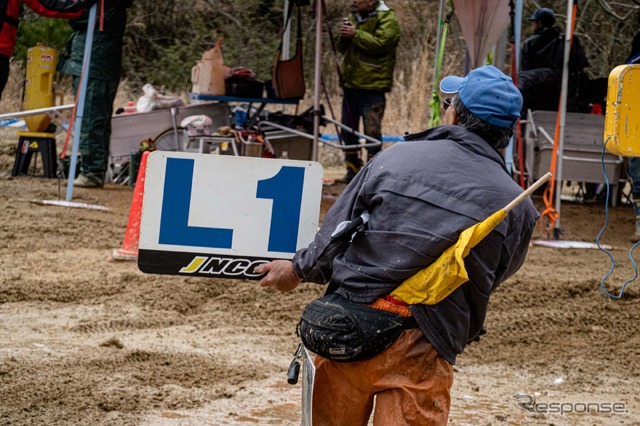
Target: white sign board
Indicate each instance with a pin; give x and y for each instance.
(221, 216)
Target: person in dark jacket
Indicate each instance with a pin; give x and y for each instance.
(541, 64)
(633, 169)
(368, 41)
(420, 196)
(9, 19)
(104, 76)
(544, 33)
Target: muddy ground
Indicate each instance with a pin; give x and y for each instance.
(92, 342)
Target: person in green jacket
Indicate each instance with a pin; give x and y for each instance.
(102, 84)
(368, 40)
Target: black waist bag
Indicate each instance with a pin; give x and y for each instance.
(341, 330)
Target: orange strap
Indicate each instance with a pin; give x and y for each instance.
(101, 15)
(384, 305)
(548, 196)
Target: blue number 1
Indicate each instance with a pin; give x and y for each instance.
(285, 189)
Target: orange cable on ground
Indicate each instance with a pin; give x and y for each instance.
(548, 196)
(129, 250)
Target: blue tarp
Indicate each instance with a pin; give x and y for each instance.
(13, 123)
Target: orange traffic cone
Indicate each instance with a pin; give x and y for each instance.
(129, 250)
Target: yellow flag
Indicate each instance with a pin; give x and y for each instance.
(438, 280)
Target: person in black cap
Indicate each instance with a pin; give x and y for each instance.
(538, 81)
(419, 197)
(544, 32)
(545, 48)
(541, 66)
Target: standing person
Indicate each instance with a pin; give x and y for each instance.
(633, 169)
(539, 80)
(542, 62)
(10, 17)
(104, 76)
(368, 41)
(420, 196)
(544, 33)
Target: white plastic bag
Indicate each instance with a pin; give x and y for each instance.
(153, 100)
(148, 101)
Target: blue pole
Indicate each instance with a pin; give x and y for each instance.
(518, 32)
(516, 39)
(81, 100)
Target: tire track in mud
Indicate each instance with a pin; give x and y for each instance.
(153, 320)
(537, 321)
(121, 381)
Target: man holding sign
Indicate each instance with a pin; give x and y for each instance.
(410, 204)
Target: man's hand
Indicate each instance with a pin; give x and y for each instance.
(347, 30)
(280, 275)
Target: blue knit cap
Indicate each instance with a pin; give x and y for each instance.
(488, 93)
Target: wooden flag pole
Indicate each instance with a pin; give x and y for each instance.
(527, 193)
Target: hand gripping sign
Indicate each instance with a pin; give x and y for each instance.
(219, 216)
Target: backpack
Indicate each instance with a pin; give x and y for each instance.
(552, 55)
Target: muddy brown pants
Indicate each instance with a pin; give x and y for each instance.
(409, 380)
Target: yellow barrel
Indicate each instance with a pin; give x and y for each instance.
(38, 89)
(622, 121)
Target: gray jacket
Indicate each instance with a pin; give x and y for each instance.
(420, 196)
